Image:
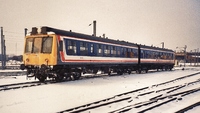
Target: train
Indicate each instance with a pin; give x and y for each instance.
(59, 54)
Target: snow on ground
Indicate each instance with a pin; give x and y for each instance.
(13, 76)
(60, 96)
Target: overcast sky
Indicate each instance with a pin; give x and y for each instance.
(149, 22)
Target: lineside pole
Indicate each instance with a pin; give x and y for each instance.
(163, 45)
(4, 51)
(197, 56)
(25, 31)
(2, 44)
(94, 27)
(185, 47)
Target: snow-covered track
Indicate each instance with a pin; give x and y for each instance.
(21, 85)
(157, 102)
(188, 108)
(144, 99)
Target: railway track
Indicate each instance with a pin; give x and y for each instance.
(15, 86)
(22, 85)
(188, 108)
(147, 98)
(37, 83)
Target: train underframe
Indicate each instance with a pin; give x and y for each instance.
(74, 72)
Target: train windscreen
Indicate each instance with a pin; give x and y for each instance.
(39, 45)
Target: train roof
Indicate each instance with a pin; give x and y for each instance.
(157, 48)
(84, 36)
(46, 29)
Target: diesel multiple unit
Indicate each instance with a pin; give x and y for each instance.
(60, 54)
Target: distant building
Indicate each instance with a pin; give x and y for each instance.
(12, 57)
(188, 57)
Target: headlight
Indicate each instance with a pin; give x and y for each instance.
(46, 60)
(27, 60)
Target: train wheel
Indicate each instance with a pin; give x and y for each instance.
(41, 78)
(129, 72)
(77, 75)
(120, 72)
(59, 78)
(109, 73)
(139, 71)
(95, 71)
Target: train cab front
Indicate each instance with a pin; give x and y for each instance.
(40, 54)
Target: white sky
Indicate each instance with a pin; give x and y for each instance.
(149, 22)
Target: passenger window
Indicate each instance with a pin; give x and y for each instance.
(47, 44)
(92, 48)
(37, 45)
(128, 52)
(99, 49)
(83, 48)
(71, 49)
(135, 53)
(29, 45)
(142, 54)
(118, 51)
(107, 50)
(113, 50)
(122, 52)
